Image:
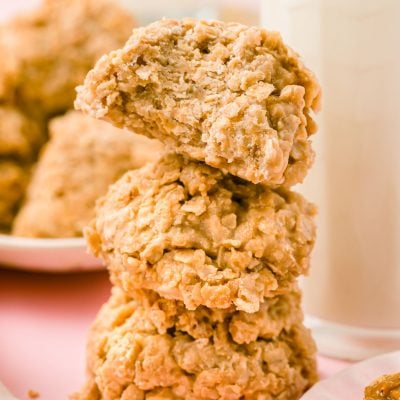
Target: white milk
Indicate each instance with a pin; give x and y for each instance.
(354, 47)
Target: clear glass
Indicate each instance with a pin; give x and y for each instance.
(352, 296)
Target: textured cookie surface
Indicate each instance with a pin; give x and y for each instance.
(48, 51)
(232, 96)
(81, 159)
(151, 348)
(13, 181)
(192, 233)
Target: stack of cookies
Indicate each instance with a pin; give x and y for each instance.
(204, 245)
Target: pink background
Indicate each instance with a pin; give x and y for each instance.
(43, 325)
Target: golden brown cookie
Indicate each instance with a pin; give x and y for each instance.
(13, 181)
(233, 96)
(48, 51)
(387, 387)
(81, 159)
(147, 347)
(192, 233)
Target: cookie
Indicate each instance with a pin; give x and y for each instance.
(81, 159)
(192, 233)
(233, 96)
(48, 51)
(146, 347)
(386, 387)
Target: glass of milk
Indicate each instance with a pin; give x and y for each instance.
(352, 297)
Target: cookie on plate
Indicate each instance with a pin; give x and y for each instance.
(76, 166)
(48, 51)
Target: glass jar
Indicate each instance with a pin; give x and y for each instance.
(352, 296)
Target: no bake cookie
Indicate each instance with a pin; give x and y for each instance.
(192, 233)
(235, 97)
(81, 159)
(48, 51)
(147, 347)
(387, 387)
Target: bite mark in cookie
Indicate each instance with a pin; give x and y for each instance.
(235, 97)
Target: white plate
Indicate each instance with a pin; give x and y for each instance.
(350, 383)
(48, 255)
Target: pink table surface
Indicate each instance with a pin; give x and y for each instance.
(43, 324)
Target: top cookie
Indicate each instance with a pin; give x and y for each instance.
(233, 96)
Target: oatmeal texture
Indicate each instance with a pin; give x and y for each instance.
(235, 97)
(146, 347)
(192, 233)
(13, 181)
(386, 387)
(50, 49)
(81, 159)
(20, 137)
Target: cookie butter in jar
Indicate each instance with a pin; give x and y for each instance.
(353, 295)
